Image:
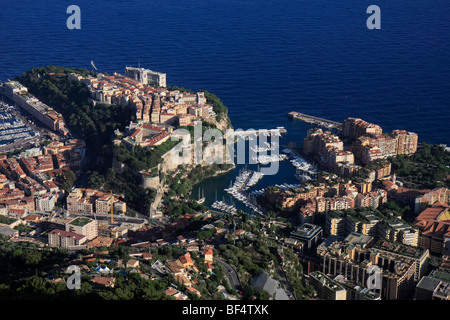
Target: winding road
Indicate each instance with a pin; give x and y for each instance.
(231, 274)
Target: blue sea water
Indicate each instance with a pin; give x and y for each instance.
(264, 58)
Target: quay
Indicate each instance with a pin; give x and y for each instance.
(315, 120)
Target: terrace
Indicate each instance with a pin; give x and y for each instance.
(80, 222)
(6, 220)
(401, 249)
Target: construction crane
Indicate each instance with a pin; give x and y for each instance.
(112, 207)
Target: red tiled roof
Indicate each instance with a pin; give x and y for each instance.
(67, 234)
(105, 281)
(186, 259)
(431, 213)
(171, 291)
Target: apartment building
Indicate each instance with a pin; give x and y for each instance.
(326, 288)
(65, 239)
(355, 128)
(82, 200)
(42, 112)
(46, 203)
(425, 198)
(342, 223)
(84, 226)
(435, 286)
(406, 142)
(434, 226)
(103, 204)
(353, 262)
(309, 234)
(78, 201)
(371, 144)
(420, 255)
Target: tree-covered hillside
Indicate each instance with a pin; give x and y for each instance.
(93, 124)
(428, 168)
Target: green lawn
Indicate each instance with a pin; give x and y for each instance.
(79, 222)
(6, 220)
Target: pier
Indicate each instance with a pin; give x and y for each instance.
(330, 124)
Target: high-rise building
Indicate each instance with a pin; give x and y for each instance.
(355, 128)
(406, 142)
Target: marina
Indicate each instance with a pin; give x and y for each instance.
(266, 159)
(239, 187)
(273, 146)
(287, 186)
(260, 153)
(13, 129)
(257, 193)
(305, 171)
(284, 186)
(222, 206)
(245, 180)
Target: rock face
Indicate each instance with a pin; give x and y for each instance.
(224, 123)
(168, 165)
(150, 182)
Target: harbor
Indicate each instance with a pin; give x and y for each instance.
(261, 156)
(221, 206)
(266, 159)
(14, 131)
(240, 187)
(226, 193)
(305, 171)
(245, 180)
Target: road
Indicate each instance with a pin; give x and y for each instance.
(285, 283)
(117, 218)
(283, 279)
(232, 277)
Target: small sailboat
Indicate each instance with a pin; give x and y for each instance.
(202, 199)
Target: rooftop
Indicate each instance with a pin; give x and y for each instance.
(8, 231)
(67, 234)
(329, 283)
(265, 282)
(400, 249)
(358, 239)
(80, 222)
(306, 230)
(440, 275)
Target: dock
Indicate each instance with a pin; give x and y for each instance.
(330, 124)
